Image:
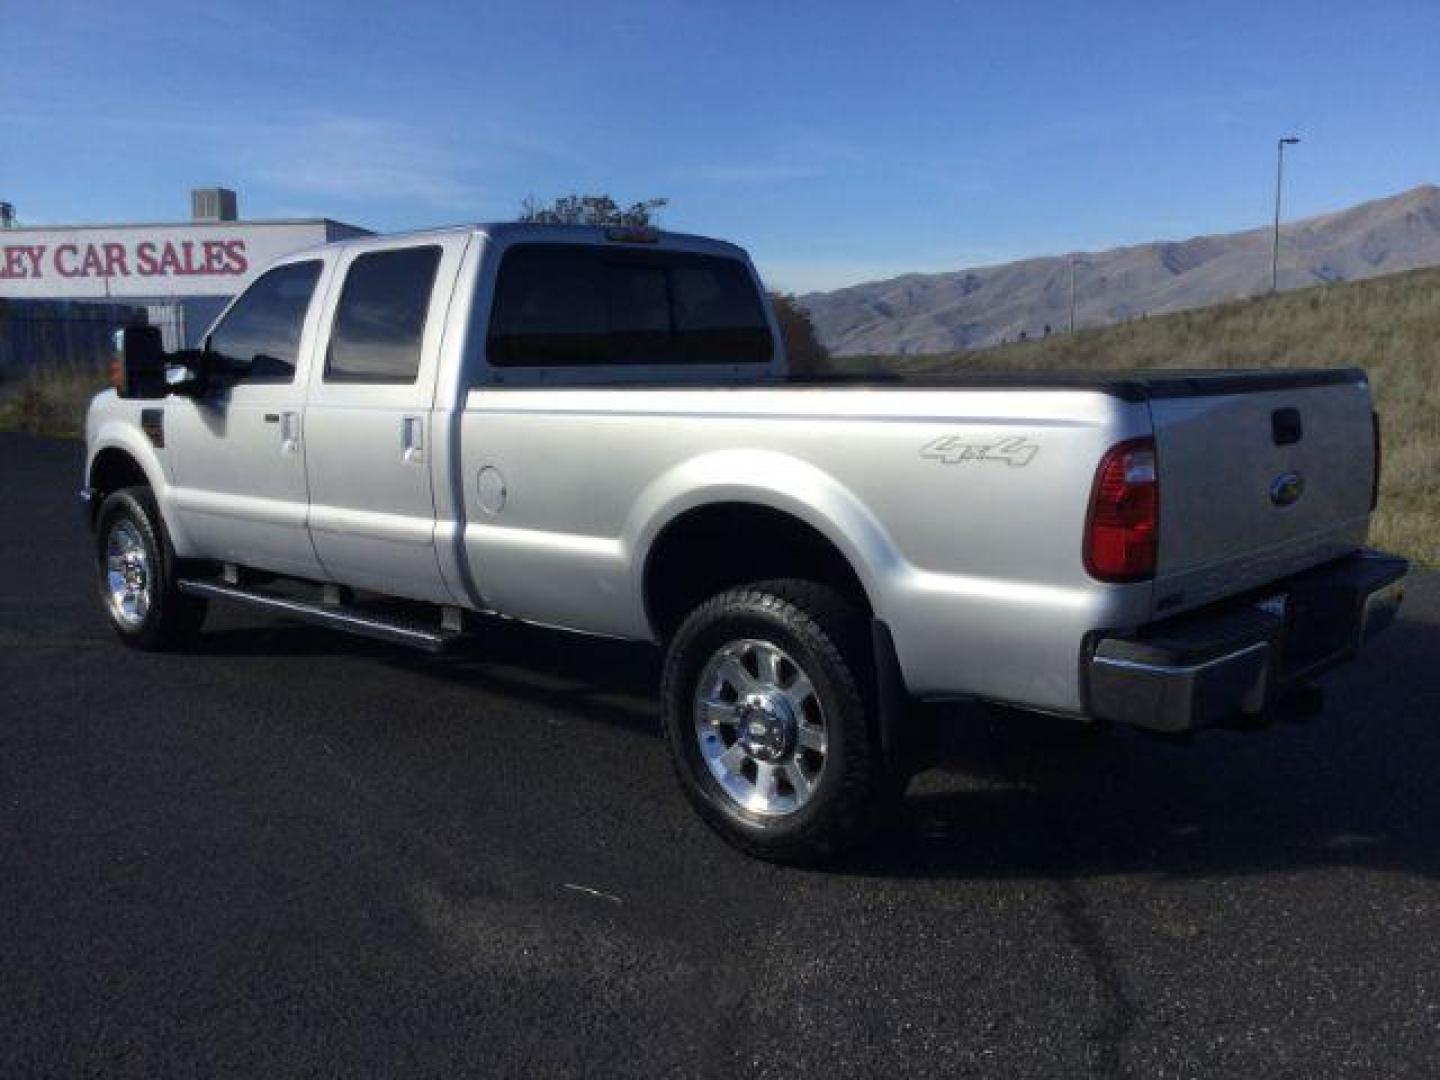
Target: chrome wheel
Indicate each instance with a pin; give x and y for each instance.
(129, 578)
(760, 727)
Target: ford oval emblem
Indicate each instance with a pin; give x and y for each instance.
(1286, 489)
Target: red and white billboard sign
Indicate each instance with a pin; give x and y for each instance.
(144, 262)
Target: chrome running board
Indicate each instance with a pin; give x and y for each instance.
(394, 629)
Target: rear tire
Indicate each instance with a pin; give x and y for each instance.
(137, 575)
(768, 703)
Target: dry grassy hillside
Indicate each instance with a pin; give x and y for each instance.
(984, 305)
(1390, 326)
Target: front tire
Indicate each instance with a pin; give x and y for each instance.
(137, 575)
(767, 696)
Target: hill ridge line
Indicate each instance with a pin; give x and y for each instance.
(986, 305)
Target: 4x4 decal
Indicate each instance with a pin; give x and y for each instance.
(954, 450)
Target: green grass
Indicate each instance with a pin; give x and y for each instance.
(1390, 326)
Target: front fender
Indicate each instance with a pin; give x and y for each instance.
(115, 425)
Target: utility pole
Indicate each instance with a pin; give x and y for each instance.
(1280, 144)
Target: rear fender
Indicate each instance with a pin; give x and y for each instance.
(777, 482)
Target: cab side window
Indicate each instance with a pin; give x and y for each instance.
(259, 337)
(380, 319)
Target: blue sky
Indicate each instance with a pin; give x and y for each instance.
(839, 142)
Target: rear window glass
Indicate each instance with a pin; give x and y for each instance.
(563, 305)
(380, 319)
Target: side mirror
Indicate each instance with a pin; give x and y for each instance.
(137, 368)
(191, 373)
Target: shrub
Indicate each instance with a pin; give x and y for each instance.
(51, 401)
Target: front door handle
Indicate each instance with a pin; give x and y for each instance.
(289, 432)
(412, 439)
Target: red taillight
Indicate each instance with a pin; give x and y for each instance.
(1123, 530)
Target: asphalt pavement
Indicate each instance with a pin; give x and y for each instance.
(289, 852)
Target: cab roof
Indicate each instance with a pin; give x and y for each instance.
(512, 232)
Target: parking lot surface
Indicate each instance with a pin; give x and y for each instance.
(289, 852)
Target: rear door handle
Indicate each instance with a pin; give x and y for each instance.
(412, 439)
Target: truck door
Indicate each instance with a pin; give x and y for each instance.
(368, 418)
(238, 454)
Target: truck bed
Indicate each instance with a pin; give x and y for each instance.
(1137, 385)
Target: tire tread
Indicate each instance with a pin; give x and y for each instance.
(175, 618)
(834, 630)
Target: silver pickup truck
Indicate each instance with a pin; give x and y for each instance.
(594, 429)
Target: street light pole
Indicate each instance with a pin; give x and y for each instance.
(1280, 144)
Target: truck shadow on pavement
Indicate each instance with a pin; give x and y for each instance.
(1020, 795)
(614, 682)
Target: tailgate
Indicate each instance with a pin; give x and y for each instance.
(1258, 483)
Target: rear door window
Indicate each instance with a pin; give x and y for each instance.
(565, 305)
(380, 318)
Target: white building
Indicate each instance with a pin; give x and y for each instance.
(182, 273)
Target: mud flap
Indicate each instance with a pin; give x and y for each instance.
(908, 734)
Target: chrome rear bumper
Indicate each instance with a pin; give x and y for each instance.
(1238, 659)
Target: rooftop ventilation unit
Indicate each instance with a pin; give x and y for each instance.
(213, 204)
(7, 215)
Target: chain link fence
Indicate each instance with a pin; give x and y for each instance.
(49, 335)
